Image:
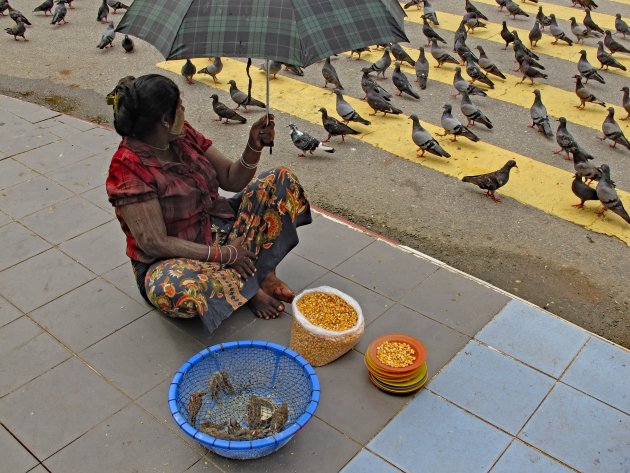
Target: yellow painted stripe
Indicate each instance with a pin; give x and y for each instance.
(623, 2)
(559, 102)
(561, 50)
(536, 184)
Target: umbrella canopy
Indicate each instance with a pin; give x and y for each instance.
(298, 32)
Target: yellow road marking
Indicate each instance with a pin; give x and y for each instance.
(623, 2)
(536, 184)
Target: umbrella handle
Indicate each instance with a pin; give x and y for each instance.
(267, 102)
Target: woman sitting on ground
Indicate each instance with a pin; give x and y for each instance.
(194, 252)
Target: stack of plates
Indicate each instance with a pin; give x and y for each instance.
(397, 380)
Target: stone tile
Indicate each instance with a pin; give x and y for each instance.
(602, 370)
(54, 156)
(30, 196)
(298, 272)
(88, 314)
(109, 242)
(39, 469)
(534, 337)
(8, 313)
(581, 432)
(12, 172)
(98, 139)
(130, 440)
(8, 118)
(76, 123)
(42, 278)
(275, 330)
(386, 269)
(98, 196)
(432, 434)
(316, 448)
(456, 301)
(366, 461)
(493, 386)
(59, 406)
(66, 219)
(350, 402)
(20, 140)
(372, 304)
(15, 458)
(84, 175)
(28, 111)
(441, 342)
(329, 243)
(18, 244)
(4, 219)
(143, 354)
(123, 278)
(519, 458)
(62, 130)
(26, 351)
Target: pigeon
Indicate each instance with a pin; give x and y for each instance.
(471, 21)
(334, 127)
(501, 4)
(582, 167)
(382, 64)
(607, 195)
(612, 131)
(587, 70)
(358, 52)
(424, 141)
(462, 50)
(612, 45)
(368, 81)
(472, 112)
(16, 15)
(127, 44)
(412, 3)
(507, 36)
(535, 34)
(557, 32)
(430, 13)
(440, 55)
(579, 31)
(402, 83)
(103, 12)
(593, 27)
(521, 55)
(625, 101)
(590, 4)
(582, 191)
(240, 98)
(346, 111)
(487, 65)
(462, 85)
(305, 142)
(538, 112)
(330, 75)
(108, 36)
(606, 60)
(564, 138)
(621, 26)
(584, 94)
(59, 14)
(475, 73)
(471, 8)
(379, 104)
(213, 69)
(422, 70)
(116, 5)
(223, 111)
(530, 72)
(515, 10)
(17, 30)
(45, 7)
(492, 181)
(453, 126)
(542, 19)
(4, 6)
(401, 55)
(460, 33)
(580, 155)
(293, 69)
(518, 45)
(274, 68)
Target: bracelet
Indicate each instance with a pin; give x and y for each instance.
(232, 261)
(253, 149)
(247, 165)
(220, 256)
(208, 257)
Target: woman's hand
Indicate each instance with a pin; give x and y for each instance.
(262, 132)
(244, 263)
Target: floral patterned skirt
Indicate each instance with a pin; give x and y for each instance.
(268, 212)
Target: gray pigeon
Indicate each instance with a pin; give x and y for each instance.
(17, 30)
(462, 50)
(440, 55)
(452, 125)
(334, 127)
(593, 27)
(412, 3)
(492, 181)
(188, 70)
(582, 167)
(506, 34)
(330, 75)
(382, 64)
(557, 32)
(358, 52)
(305, 142)
(346, 111)
(612, 45)
(116, 5)
(538, 112)
(45, 7)
(379, 104)
(471, 21)
(274, 68)
(471, 8)
(587, 70)
(17, 15)
(475, 73)
(606, 60)
(103, 12)
(368, 81)
(535, 34)
(430, 33)
(472, 112)
(422, 70)
(515, 10)
(424, 141)
(487, 64)
(430, 13)
(582, 191)
(607, 195)
(542, 19)
(584, 94)
(4, 6)
(530, 72)
(213, 69)
(293, 69)
(127, 44)
(612, 131)
(240, 98)
(621, 26)
(564, 138)
(401, 55)
(402, 83)
(108, 36)
(223, 111)
(579, 31)
(625, 102)
(460, 33)
(462, 85)
(59, 14)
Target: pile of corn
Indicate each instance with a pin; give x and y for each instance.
(396, 354)
(328, 311)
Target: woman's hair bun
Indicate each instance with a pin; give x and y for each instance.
(127, 113)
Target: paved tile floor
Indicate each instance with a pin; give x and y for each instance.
(85, 363)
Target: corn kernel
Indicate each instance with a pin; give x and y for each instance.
(328, 311)
(396, 354)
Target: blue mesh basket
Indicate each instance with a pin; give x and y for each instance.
(255, 367)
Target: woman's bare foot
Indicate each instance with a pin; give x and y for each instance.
(275, 287)
(265, 306)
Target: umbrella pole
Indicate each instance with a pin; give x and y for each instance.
(267, 66)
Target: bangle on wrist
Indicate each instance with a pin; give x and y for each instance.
(253, 149)
(247, 165)
(220, 256)
(209, 249)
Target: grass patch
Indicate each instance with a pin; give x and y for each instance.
(59, 103)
